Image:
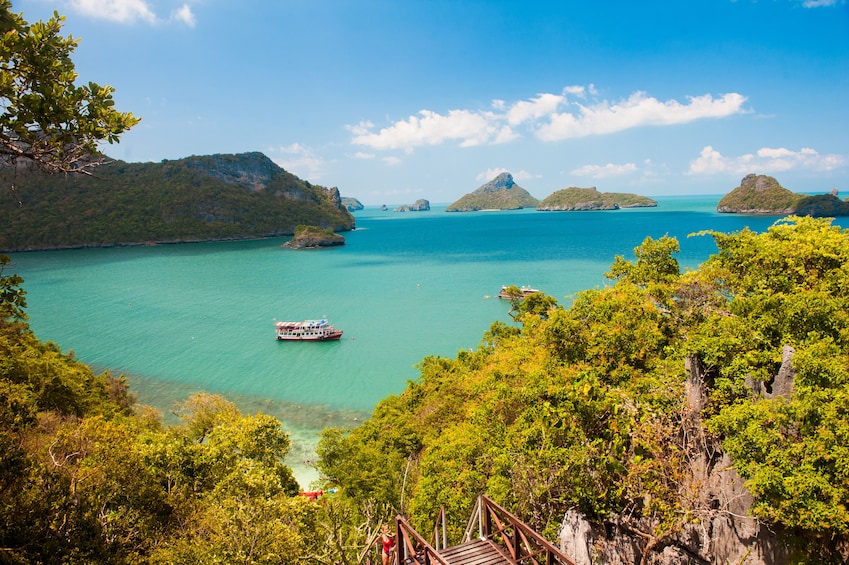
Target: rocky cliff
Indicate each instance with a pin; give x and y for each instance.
(501, 193)
(720, 528)
(311, 237)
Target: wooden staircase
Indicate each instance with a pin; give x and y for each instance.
(502, 539)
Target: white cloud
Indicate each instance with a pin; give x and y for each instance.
(391, 160)
(124, 11)
(184, 14)
(490, 174)
(818, 3)
(638, 110)
(129, 11)
(299, 160)
(604, 171)
(363, 155)
(767, 160)
(551, 117)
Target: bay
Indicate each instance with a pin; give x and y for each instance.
(189, 317)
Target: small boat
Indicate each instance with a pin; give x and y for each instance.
(525, 290)
(308, 330)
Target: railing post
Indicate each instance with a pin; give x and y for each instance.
(444, 534)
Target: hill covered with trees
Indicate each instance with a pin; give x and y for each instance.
(212, 197)
(501, 193)
(762, 194)
(575, 199)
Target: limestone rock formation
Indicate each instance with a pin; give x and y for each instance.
(352, 204)
(501, 193)
(312, 237)
(721, 529)
(420, 205)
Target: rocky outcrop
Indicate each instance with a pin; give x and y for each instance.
(575, 199)
(420, 205)
(501, 193)
(761, 194)
(312, 237)
(352, 204)
(720, 530)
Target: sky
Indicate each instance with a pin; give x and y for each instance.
(392, 101)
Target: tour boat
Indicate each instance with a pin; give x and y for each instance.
(308, 330)
(525, 290)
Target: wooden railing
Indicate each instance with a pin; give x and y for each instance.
(524, 545)
(412, 548)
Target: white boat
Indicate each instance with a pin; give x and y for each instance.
(525, 291)
(308, 330)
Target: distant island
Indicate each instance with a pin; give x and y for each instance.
(578, 199)
(198, 198)
(420, 205)
(762, 194)
(501, 193)
(352, 204)
(313, 237)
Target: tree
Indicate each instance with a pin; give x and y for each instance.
(46, 119)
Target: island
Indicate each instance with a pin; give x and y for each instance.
(501, 193)
(579, 199)
(220, 197)
(420, 205)
(314, 237)
(762, 194)
(352, 204)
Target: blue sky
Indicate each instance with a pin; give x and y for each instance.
(396, 100)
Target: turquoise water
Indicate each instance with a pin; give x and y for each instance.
(188, 317)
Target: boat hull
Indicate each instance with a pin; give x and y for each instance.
(328, 337)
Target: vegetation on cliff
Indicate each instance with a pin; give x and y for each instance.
(582, 407)
(307, 237)
(574, 198)
(501, 193)
(761, 194)
(197, 198)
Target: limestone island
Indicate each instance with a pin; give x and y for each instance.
(574, 199)
(352, 204)
(420, 205)
(501, 193)
(313, 237)
(761, 194)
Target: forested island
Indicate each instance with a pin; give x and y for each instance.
(200, 198)
(666, 418)
(579, 199)
(501, 193)
(762, 194)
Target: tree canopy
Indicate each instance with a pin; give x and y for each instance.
(46, 119)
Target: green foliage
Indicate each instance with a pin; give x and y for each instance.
(581, 407)
(48, 119)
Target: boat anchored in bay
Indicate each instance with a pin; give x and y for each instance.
(307, 330)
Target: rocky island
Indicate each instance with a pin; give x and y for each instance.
(352, 204)
(420, 205)
(501, 193)
(762, 194)
(313, 237)
(579, 199)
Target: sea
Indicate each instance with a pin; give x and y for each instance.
(182, 318)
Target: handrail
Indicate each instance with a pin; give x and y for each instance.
(517, 536)
(412, 548)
